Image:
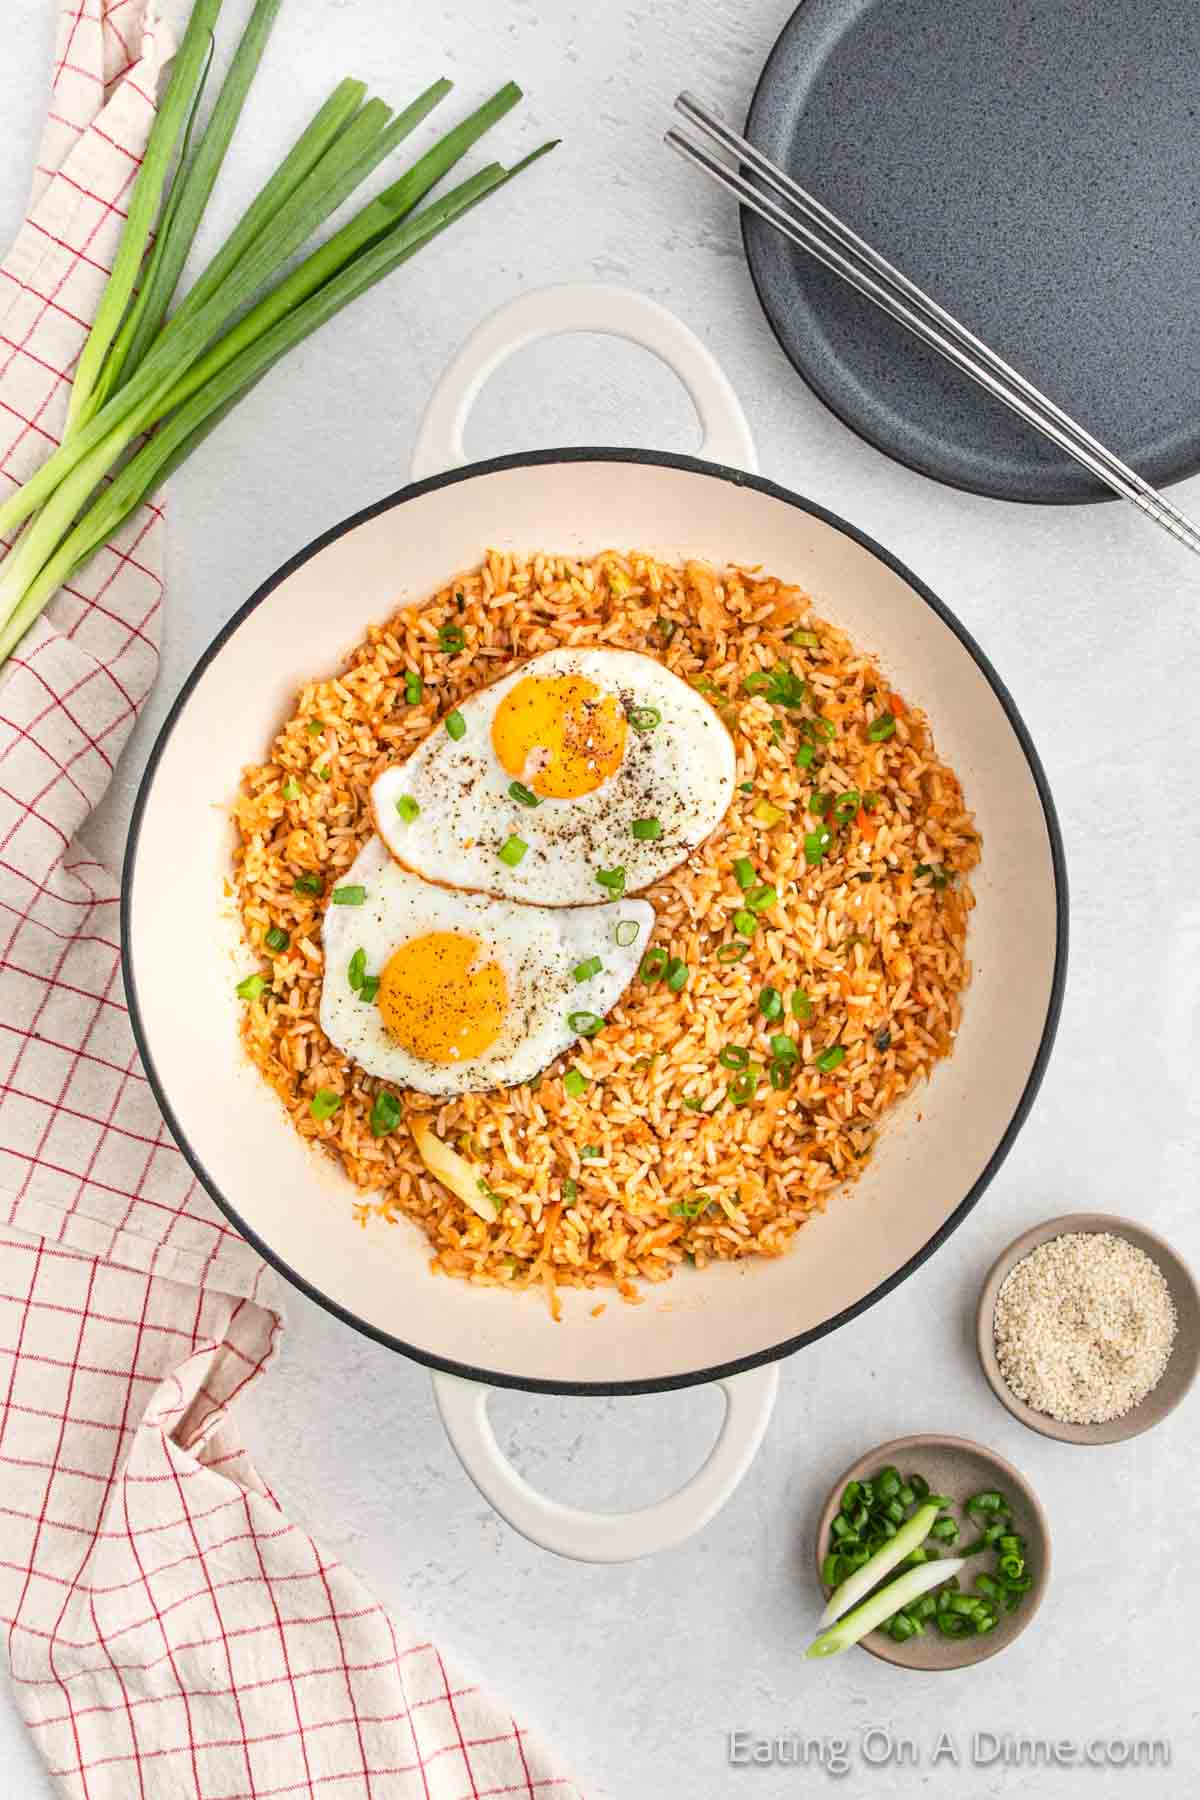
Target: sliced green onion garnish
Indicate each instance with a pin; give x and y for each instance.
(909, 1538)
(761, 899)
(647, 830)
(666, 628)
(731, 951)
(613, 880)
(804, 756)
(324, 1103)
(744, 872)
(784, 1049)
(456, 725)
(356, 972)
(570, 1188)
(575, 1082)
(348, 896)
(585, 1024)
(653, 965)
(743, 1087)
(744, 923)
(881, 728)
(815, 845)
(451, 639)
(807, 640)
(831, 1059)
(846, 805)
(770, 1003)
(781, 1072)
(385, 1114)
(820, 804)
(802, 1009)
(414, 687)
(290, 788)
(677, 974)
(822, 728)
(511, 851)
(745, 787)
(523, 795)
(585, 970)
(277, 940)
(323, 774)
(692, 1103)
(408, 809)
(733, 1056)
(626, 932)
(644, 718)
(369, 988)
(308, 884)
(315, 727)
(591, 1151)
(252, 987)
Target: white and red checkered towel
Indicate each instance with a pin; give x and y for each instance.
(168, 1631)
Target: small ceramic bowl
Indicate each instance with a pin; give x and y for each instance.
(1180, 1371)
(957, 1467)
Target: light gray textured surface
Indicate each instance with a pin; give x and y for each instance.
(1091, 617)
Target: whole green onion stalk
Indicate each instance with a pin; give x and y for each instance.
(171, 380)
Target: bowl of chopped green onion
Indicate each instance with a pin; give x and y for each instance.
(932, 1552)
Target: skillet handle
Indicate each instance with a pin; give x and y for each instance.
(608, 1537)
(592, 306)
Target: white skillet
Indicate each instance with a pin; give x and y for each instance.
(729, 1325)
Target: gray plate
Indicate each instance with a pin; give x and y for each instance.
(1035, 164)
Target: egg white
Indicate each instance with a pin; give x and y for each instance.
(537, 950)
(680, 773)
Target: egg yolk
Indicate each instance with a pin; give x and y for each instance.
(560, 733)
(440, 1000)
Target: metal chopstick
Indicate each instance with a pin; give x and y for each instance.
(824, 236)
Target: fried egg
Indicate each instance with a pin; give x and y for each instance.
(449, 992)
(580, 776)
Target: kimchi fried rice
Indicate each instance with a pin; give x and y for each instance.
(696, 1132)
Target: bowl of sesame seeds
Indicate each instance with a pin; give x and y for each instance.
(1088, 1328)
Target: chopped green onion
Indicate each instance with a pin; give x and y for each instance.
(745, 787)
(944, 1529)
(831, 1059)
(591, 1151)
(315, 727)
(807, 640)
(252, 988)
(414, 687)
(731, 951)
(576, 1082)
(325, 773)
(822, 728)
(277, 939)
(570, 1188)
(585, 970)
(743, 1087)
(324, 1103)
(815, 845)
(585, 1024)
(677, 974)
(783, 1048)
(644, 718)
(647, 830)
(820, 804)
(692, 1209)
(408, 809)
(290, 788)
(369, 988)
(692, 1103)
(733, 1056)
(781, 1072)
(385, 1114)
(910, 1537)
(456, 725)
(356, 973)
(770, 1003)
(846, 806)
(308, 884)
(653, 965)
(511, 851)
(613, 880)
(744, 872)
(626, 932)
(451, 639)
(523, 795)
(880, 729)
(761, 899)
(802, 1009)
(804, 756)
(666, 628)
(779, 686)
(348, 896)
